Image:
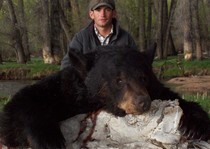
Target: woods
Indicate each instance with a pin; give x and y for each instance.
(44, 28)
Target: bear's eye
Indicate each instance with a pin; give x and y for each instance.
(119, 82)
(143, 79)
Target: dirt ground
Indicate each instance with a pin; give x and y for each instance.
(191, 84)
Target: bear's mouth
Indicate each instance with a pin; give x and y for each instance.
(134, 112)
(135, 107)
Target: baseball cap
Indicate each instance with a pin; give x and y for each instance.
(97, 3)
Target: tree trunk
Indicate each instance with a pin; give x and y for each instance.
(168, 36)
(142, 38)
(24, 31)
(197, 31)
(164, 27)
(1, 3)
(16, 36)
(149, 24)
(75, 15)
(46, 50)
(160, 31)
(205, 31)
(1, 60)
(187, 27)
(55, 31)
(65, 25)
(172, 50)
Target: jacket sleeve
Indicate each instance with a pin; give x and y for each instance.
(131, 42)
(76, 44)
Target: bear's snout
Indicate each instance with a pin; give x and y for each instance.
(142, 103)
(135, 104)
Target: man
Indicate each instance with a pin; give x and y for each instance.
(103, 30)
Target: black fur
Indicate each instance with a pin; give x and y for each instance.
(33, 115)
(137, 72)
(102, 79)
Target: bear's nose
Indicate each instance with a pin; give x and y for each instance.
(143, 103)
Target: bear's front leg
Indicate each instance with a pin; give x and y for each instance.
(45, 134)
(195, 123)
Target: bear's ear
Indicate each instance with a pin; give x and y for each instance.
(77, 60)
(150, 52)
(90, 59)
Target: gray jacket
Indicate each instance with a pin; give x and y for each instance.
(86, 40)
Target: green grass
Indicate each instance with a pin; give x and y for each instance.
(36, 66)
(172, 67)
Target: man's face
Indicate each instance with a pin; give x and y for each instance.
(102, 16)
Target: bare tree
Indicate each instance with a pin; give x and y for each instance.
(168, 36)
(1, 3)
(15, 34)
(65, 25)
(1, 60)
(160, 32)
(142, 35)
(23, 29)
(75, 14)
(52, 52)
(66, 33)
(55, 31)
(205, 30)
(46, 50)
(198, 47)
(149, 23)
(187, 28)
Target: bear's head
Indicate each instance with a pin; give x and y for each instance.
(119, 79)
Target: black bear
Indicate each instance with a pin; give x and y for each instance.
(117, 79)
(32, 117)
(126, 84)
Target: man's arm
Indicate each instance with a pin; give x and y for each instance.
(75, 44)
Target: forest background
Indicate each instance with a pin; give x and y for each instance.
(44, 28)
